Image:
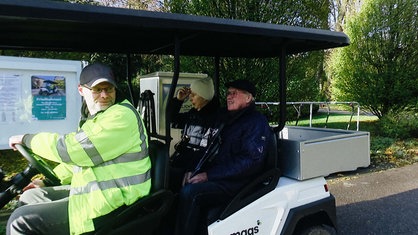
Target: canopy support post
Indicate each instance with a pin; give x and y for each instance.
(176, 74)
(282, 90)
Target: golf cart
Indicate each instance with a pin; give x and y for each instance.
(48, 88)
(290, 197)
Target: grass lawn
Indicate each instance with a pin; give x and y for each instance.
(338, 121)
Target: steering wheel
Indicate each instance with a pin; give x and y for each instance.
(37, 162)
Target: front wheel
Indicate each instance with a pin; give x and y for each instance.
(319, 230)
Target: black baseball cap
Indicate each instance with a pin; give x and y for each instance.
(242, 84)
(96, 73)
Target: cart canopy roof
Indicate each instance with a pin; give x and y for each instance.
(61, 26)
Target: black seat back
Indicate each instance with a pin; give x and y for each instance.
(159, 160)
(272, 157)
(147, 213)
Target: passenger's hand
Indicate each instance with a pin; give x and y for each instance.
(13, 140)
(183, 93)
(199, 178)
(36, 183)
(186, 178)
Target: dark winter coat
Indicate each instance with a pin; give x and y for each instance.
(242, 150)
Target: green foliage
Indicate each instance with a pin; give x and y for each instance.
(387, 152)
(304, 75)
(300, 12)
(305, 71)
(401, 124)
(11, 162)
(379, 69)
(153, 5)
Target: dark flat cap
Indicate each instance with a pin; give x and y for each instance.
(242, 84)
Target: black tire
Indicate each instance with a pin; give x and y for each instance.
(319, 230)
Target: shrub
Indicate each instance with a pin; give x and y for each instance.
(401, 124)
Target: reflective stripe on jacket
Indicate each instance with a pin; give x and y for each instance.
(106, 161)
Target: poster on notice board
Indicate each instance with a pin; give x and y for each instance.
(38, 95)
(48, 92)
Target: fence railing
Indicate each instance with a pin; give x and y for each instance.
(355, 107)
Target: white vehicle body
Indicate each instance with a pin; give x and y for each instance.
(301, 200)
(267, 215)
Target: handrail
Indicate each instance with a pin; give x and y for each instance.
(327, 103)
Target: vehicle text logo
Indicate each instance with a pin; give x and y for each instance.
(249, 231)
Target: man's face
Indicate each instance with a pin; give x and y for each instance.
(99, 97)
(237, 99)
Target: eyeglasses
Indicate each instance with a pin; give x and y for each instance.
(96, 90)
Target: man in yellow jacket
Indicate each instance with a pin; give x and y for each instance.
(102, 166)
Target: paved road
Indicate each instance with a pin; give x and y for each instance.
(377, 203)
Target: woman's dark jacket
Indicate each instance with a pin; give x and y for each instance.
(199, 126)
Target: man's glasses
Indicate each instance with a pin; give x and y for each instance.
(96, 90)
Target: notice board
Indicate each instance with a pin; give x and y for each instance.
(38, 95)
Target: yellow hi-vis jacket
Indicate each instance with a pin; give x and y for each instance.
(106, 161)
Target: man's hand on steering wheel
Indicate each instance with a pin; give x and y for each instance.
(16, 139)
(15, 142)
(36, 183)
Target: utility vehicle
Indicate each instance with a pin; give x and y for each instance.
(48, 88)
(290, 197)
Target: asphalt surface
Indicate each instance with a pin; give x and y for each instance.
(383, 202)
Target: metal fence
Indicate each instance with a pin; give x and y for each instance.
(355, 108)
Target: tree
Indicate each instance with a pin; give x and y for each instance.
(151, 5)
(139, 64)
(340, 10)
(379, 69)
(305, 71)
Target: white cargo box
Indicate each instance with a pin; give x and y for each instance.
(312, 152)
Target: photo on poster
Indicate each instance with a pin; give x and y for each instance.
(49, 97)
